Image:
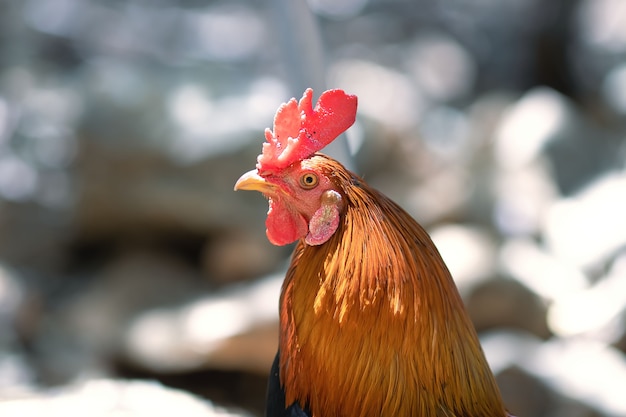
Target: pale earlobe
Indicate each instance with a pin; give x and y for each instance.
(325, 221)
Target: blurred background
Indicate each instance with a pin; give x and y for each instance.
(135, 282)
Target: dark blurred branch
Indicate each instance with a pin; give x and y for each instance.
(552, 45)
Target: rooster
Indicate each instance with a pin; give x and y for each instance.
(371, 323)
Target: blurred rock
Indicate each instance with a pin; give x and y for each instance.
(193, 32)
(234, 329)
(37, 129)
(12, 296)
(523, 394)
(443, 196)
(149, 194)
(522, 199)
(539, 117)
(468, 251)
(158, 156)
(526, 395)
(601, 43)
(202, 126)
(545, 123)
(586, 371)
(75, 337)
(34, 237)
(385, 94)
(239, 256)
(620, 343)
(108, 397)
(584, 155)
(595, 311)
(583, 376)
(536, 268)
(507, 304)
(446, 132)
(614, 89)
(442, 68)
(345, 9)
(588, 228)
(17, 376)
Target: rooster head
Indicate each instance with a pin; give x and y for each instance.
(305, 201)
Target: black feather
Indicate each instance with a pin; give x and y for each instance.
(275, 406)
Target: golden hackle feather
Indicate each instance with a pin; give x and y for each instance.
(372, 324)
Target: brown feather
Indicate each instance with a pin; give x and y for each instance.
(372, 323)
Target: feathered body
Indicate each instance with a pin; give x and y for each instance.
(371, 323)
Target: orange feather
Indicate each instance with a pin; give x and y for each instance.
(372, 324)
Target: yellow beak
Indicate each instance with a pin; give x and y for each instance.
(251, 180)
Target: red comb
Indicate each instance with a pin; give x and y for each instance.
(301, 130)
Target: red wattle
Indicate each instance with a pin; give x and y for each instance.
(284, 226)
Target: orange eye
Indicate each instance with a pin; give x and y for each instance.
(308, 180)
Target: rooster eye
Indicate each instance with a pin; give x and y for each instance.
(308, 180)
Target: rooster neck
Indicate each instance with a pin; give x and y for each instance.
(372, 323)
